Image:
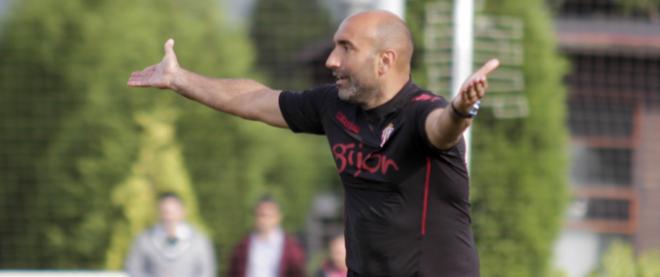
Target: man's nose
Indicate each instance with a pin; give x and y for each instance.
(332, 62)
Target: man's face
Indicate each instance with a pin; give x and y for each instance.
(353, 63)
(267, 217)
(171, 211)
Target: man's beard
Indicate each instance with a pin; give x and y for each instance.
(354, 93)
(350, 93)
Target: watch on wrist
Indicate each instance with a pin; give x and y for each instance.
(472, 112)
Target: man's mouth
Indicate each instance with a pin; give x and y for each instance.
(341, 78)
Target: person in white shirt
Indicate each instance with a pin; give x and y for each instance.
(267, 251)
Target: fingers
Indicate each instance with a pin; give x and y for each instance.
(475, 87)
(475, 90)
(139, 78)
(146, 72)
(169, 48)
(136, 82)
(481, 87)
(488, 67)
(150, 69)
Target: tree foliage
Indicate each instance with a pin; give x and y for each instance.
(416, 19)
(620, 261)
(519, 170)
(84, 155)
(157, 168)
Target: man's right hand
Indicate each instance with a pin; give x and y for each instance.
(159, 75)
(245, 98)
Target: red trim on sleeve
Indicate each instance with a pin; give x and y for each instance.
(427, 181)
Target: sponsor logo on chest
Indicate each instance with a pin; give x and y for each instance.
(347, 155)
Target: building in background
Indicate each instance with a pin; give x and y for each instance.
(614, 117)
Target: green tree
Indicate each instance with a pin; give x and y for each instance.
(649, 264)
(519, 166)
(416, 20)
(91, 177)
(158, 168)
(79, 143)
(35, 99)
(620, 261)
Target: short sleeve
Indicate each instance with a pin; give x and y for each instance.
(303, 111)
(422, 110)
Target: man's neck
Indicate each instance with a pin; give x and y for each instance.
(266, 234)
(391, 87)
(171, 228)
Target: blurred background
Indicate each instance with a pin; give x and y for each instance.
(564, 159)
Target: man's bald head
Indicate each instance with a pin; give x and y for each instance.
(371, 57)
(387, 31)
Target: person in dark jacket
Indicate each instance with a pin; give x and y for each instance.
(267, 251)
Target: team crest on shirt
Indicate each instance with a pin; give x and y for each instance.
(385, 135)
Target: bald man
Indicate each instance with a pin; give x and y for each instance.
(398, 148)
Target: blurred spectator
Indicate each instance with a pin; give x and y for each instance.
(172, 247)
(335, 264)
(267, 251)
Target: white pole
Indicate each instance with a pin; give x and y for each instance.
(462, 53)
(397, 7)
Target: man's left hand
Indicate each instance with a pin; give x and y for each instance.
(474, 88)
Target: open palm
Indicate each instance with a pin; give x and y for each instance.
(159, 75)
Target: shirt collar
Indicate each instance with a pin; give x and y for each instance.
(183, 231)
(274, 237)
(396, 103)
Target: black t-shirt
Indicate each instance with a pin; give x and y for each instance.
(406, 202)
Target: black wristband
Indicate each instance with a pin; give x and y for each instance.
(459, 114)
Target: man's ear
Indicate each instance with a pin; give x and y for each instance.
(386, 61)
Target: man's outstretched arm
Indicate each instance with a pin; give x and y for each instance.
(444, 127)
(241, 97)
